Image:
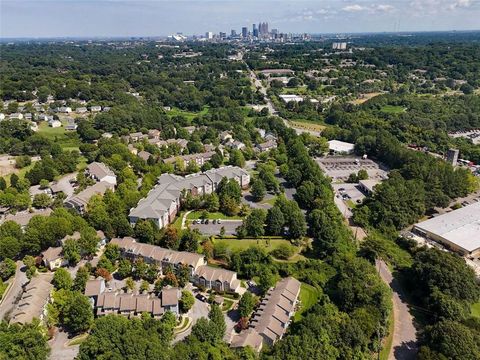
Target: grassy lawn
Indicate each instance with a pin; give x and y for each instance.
(307, 125)
(68, 141)
(309, 297)
(21, 173)
(476, 310)
(392, 109)
(178, 222)
(270, 201)
(189, 115)
(78, 340)
(299, 90)
(227, 304)
(242, 244)
(214, 215)
(351, 204)
(183, 325)
(3, 287)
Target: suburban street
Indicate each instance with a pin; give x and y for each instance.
(8, 302)
(404, 345)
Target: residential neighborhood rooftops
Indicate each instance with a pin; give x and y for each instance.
(99, 170)
(131, 246)
(271, 319)
(94, 287)
(83, 197)
(32, 302)
(52, 253)
(170, 296)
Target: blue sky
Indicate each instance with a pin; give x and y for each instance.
(89, 18)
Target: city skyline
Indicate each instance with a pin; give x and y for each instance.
(115, 18)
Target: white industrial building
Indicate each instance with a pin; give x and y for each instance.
(458, 230)
(340, 147)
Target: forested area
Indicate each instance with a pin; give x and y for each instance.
(155, 87)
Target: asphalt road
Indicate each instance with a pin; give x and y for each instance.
(404, 345)
(271, 108)
(8, 302)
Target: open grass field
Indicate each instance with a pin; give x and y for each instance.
(476, 310)
(307, 125)
(235, 244)
(364, 98)
(189, 115)
(308, 297)
(392, 109)
(20, 172)
(299, 90)
(67, 140)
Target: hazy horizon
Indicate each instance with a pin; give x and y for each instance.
(138, 18)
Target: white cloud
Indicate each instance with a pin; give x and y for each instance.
(371, 9)
(384, 8)
(353, 8)
(460, 4)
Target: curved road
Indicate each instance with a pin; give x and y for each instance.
(404, 345)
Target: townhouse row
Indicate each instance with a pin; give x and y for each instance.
(200, 273)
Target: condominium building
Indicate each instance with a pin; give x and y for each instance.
(163, 201)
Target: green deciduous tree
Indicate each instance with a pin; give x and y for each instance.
(62, 279)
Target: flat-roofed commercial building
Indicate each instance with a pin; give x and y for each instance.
(458, 230)
(340, 147)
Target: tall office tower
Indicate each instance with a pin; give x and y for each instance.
(265, 28)
(233, 33)
(255, 30)
(452, 156)
(244, 32)
(209, 35)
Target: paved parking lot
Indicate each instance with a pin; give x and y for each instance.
(349, 192)
(214, 229)
(339, 168)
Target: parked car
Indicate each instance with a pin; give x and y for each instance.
(201, 297)
(207, 221)
(214, 221)
(202, 221)
(218, 221)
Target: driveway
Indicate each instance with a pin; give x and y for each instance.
(231, 319)
(247, 199)
(59, 348)
(214, 229)
(64, 184)
(404, 345)
(199, 309)
(14, 291)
